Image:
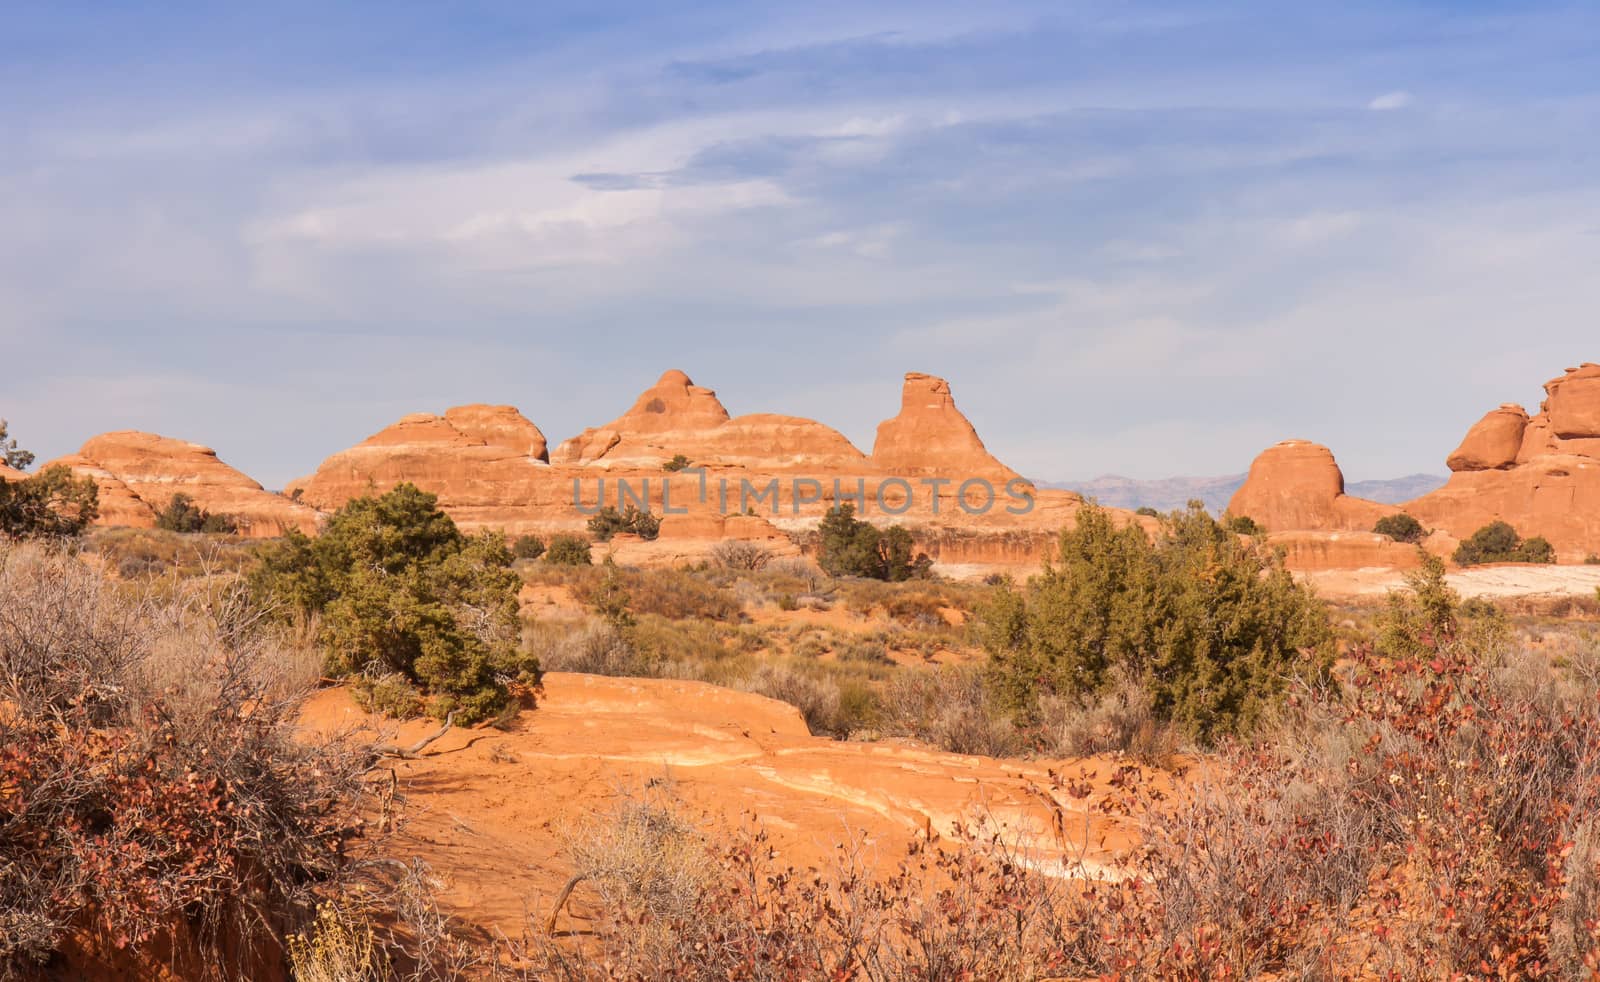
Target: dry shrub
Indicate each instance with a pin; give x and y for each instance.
(916, 610)
(737, 913)
(342, 947)
(737, 554)
(594, 647)
(643, 856)
(1121, 719)
(670, 593)
(816, 698)
(153, 790)
(1428, 818)
(809, 575)
(950, 708)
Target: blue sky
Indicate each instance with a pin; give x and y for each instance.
(1147, 239)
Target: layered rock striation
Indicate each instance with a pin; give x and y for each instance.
(138, 473)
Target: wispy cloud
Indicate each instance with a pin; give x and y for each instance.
(1391, 100)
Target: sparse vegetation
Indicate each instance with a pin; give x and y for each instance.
(184, 516)
(739, 555)
(1421, 819)
(49, 504)
(568, 550)
(1212, 627)
(1498, 542)
(154, 791)
(1400, 527)
(527, 547)
(608, 522)
(677, 463)
(852, 547)
(399, 589)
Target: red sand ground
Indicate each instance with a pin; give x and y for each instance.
(489, 809)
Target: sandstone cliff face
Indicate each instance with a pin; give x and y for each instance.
(931, 438)
(1297, 485)
(138, 473)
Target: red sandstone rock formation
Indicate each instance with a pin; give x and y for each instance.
(1572, 403)
(1540, 474)
(481, 486)
(478, 459)
(675, 417)
(490, 468)
(1297, 485)
(138, 473)
(930, 437)
(1549, 487)
(1321, 550)
(1493, 442)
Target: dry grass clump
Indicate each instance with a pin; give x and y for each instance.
(950, 708)
(1121, 719)
(153, 790)
(817, 697)
(136, 554)
(642, 856)
(593, 647)
(341, 946)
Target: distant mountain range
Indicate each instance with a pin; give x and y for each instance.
(1169, 493)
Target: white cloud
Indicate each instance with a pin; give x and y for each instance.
(1398, 99)
(1321, 226)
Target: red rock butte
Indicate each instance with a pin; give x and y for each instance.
(492, 468)
(1540, 474)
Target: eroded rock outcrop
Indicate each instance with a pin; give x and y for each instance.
(1572, 403)
(478, 459)
(730, 754)
(676, 417)
(1540, 474)
(930, 437)
(786, 468)
(1493, 442)
(667, 417)
(491, 468)
(1550, 488)
(1297, 485)
(138, 473)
